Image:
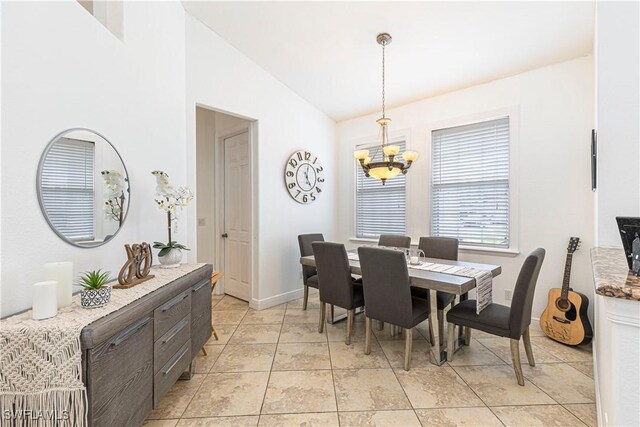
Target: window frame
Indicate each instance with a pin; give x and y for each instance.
(513, 114)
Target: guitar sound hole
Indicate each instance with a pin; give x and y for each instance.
(563, 304)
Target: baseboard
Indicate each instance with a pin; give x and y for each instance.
(261, 304)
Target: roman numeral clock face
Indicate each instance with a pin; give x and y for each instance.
(304, 176)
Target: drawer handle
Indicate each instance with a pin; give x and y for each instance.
(177, 359)
(174, 303)
(175, 331)
(202, 285)
(132, 330)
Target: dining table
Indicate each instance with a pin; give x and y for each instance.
(435, 281)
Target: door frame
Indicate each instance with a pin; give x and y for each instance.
(219, 202)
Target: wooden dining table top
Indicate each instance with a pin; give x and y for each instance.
(430, 279)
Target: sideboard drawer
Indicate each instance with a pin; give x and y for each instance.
(170, 372)
(121, 376)
(168, 344)
(170, 313)
(200, 315)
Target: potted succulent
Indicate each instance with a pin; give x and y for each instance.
(95, 290)
(171, 201)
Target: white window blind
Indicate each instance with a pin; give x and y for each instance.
(68, 188)
(380, 209)
(470, 183)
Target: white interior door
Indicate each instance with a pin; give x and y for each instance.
(237, 193)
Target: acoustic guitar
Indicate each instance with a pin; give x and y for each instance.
(565, 318)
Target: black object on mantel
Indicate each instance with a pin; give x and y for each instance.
(629, 228)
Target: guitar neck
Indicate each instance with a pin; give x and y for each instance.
(567, 276)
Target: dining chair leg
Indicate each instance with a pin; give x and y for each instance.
(467, 336)
(215, 333)
(432, 335)
(306, 297)
(392, 330)
(380, 325)
(527, 347)
(408, 347)
(347, 340)
(515, 358)
(440, 326)
(323, 313)
(451, 341)
(204, 351)
(332, 314)
(367, 335)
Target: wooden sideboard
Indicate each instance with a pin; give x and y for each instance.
(133, 356)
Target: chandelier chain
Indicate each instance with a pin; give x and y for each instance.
(383, 70)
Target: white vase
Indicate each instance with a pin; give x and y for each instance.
(172, 259)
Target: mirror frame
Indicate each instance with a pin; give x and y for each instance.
(39, 192)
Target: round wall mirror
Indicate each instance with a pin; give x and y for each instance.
(83, 188)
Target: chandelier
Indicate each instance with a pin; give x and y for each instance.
(389, 164)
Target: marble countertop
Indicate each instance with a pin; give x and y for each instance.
(611, 274)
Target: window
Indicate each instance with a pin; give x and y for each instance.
(470, 184)
(380, 209)
(68, 188)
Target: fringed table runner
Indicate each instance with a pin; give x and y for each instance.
(483, 278)
(41, 360)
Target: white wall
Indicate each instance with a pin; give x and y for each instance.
(555, 107)
(61, 69)
(220, 77)
(618, 112)
(205, 178)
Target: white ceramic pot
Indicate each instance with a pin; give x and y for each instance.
(93, 298)
(172, 259)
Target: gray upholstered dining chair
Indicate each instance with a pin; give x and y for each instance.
(388, 295)
(309, 273)
(441, 248)
(337, 287)
(511, 322)
(394, 240)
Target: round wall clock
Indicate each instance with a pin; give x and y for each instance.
(304, 176)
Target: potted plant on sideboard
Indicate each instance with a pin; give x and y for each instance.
(95, 290)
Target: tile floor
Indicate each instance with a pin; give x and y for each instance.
(273, 368)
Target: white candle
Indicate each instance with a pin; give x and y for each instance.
(414, 260)
(61, 272)
(45, 303)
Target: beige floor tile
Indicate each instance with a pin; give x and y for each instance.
(338, 332)
(299, 391)
(475, 354)
(497, 385)
(271, 315)
(204, 363)
(323, 419)
(176, 400)
(303, 332)
(301, 356)
(159, 423)
(369, 389)
(229, 394)
(541, 415)
(245, 358)
(564, 352)
(584, 367)
(502, 348)
(228, 317)
(352, 356)
(298, 316)
(313, 302)
(224, 334)
(420, 356)
(256, 334)
(246, 421)
(436, 387)
(562, 382)
(231, 303)
(385, 334)
(402, 418)
(585, 412)
(458, 417)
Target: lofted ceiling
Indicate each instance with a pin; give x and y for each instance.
(327, 53)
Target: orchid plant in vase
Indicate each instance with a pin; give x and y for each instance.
(171, 201)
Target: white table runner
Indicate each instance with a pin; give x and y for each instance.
(41, 360)
(483, 278)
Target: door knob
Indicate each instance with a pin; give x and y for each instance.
(225, 235)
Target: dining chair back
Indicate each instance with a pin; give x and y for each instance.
(309, 273)
(520, 313)
(394, 240)
(439, 247)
